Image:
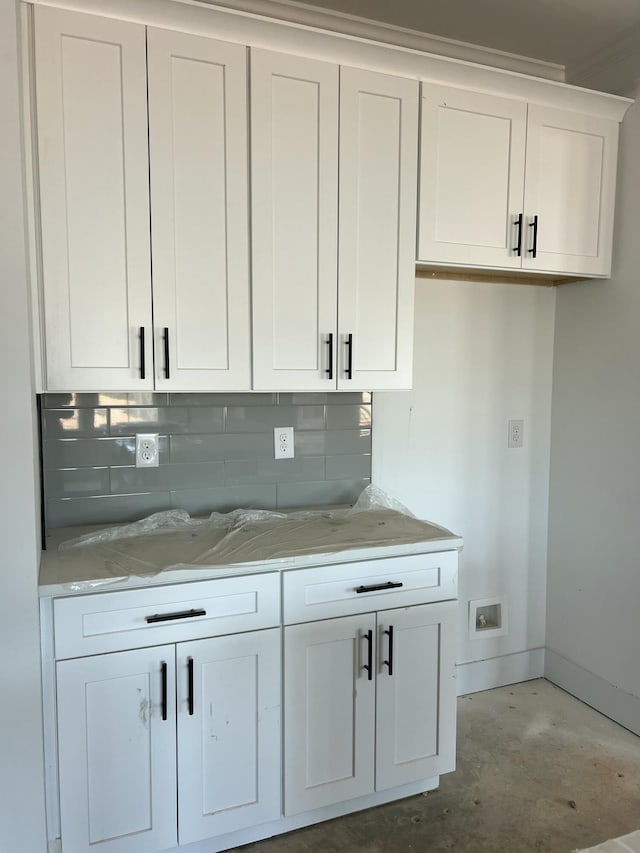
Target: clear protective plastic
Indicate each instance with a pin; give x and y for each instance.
(174, 540)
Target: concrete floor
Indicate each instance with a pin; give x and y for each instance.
(537, 771)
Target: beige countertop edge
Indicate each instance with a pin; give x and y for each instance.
(51, 584)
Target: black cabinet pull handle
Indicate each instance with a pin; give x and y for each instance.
(375, 587)
(168, 617)
(165, 338)
(534, 248)
(329, 370)
(518, 249)
(369, 664)
(163, 679)
(349, 344)
(143, 373)
(389, 661)
(190, 694)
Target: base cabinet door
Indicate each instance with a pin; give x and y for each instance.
(228, 733)
(329, 700)
(117, 751)
(416, 694)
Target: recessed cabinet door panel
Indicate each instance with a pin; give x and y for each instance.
(229, 748)
(116, 753)
(294, 168)
(198, 160)
(416, 698)
(329, 712)
(92, 143)
(471, 177)
(378, 179)
(570, 187)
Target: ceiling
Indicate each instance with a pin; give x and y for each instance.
(566, 32)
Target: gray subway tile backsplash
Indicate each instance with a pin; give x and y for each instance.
(216, 453)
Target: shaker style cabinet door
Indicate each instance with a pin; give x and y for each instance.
(294, 200)
(117, 751)
(329, 710)
(378, 188)
(91, 95)
(471, 177)
(199, 212)
(569, 195)
(228, 733)
(416, 694)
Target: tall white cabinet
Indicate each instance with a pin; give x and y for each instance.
(120, 196)
(91, 98)
(334, 171)
(294, 203)
(199, 211)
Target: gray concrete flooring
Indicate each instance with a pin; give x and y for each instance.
(537, 771)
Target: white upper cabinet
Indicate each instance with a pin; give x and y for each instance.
(570, 186)
(199, 214)
(91, 95)
(507, 184)
(376, 269)
(294, 198)
(332, 305)
(471, 177)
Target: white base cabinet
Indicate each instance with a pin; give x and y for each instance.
(117, 751)
(179, 728)
(369, 702)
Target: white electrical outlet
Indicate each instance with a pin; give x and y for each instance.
(147, 451)
(516, 433)
(283, 442)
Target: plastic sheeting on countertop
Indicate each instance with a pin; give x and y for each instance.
(173, 540)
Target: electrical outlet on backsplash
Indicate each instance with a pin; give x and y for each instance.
(216, 452)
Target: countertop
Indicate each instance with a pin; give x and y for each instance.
(231, 545)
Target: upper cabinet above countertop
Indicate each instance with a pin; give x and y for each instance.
(234, 207)
(506, 184)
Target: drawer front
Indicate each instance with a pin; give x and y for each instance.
(111, 621)
(342, 590)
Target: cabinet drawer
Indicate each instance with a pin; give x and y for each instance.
(111, 621)
(330, 591)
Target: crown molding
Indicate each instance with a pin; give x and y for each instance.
(615, 69)
(339, 22)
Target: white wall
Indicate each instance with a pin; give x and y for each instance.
(21, 762)
(483, 355)
(594, 532)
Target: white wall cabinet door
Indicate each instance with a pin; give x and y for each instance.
(570, 187)
(416, 694)
(378, 189)
(199, 217)
(294, 193)
(91, 95)
(329, 712)
(472, 161)
(117, 760)
(228, 733)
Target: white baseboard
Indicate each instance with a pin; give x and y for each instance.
(496, 672)
(620, 706)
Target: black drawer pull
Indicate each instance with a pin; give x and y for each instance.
(375, 587)
(168, 617)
